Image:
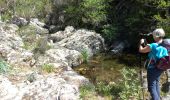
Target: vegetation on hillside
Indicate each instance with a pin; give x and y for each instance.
(114, 19)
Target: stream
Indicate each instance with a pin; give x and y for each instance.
(106, 68)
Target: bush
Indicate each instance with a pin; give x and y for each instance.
(130, 84)
(86, 90)
(104, 89)
(109, 33)
(48, 68)
(25, 8)
(94, 14)
(4, 67)
(85, 14)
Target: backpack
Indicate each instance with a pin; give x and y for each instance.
(164, 62)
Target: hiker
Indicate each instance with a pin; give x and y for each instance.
(155, 52)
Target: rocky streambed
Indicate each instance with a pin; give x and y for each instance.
(38, 65)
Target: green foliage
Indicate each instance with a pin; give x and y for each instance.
(130, 85)
(109, 33)
(48, 68)
(86, 90)
(94, 14)
(85, 14)
(85, 55)
(104, 89)
(4, 67)
(163, 23)
(24, 8)
(132, 17)
(32, 8)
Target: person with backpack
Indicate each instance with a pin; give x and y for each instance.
(155, 52)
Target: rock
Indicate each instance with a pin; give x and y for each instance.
(19, 21)
(166, 97)
(7, 90)
(21, 59)
(64, 83)
(118, 47)
(37, 26)
(61, 55)
(58, 36)
(11, 46)
(68, 92)
(49, 87)
(83, 41)
(35, 21)
(74, 78)
(9, 28)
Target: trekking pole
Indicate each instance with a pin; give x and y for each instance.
(141, 72)
(141, 75)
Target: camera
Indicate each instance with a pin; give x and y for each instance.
(147, 37)
(144, 36)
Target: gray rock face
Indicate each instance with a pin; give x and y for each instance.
(118, 47)
(38, 26)
(48, 87)
(19, 21)
(80, 40)
(58, 36)
(64, 53)
(11, 46)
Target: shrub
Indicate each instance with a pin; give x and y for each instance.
(130, 84)
(4, 67)
(25, 8)
(85, 55)
(87, 91)
(48, 68)
(85, 14)
(109, 33)
(95, 14)
(104, 89)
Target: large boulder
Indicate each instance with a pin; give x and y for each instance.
(81, 40)
(58, 36)
(62, 56)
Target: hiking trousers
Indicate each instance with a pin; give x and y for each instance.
(153, 78)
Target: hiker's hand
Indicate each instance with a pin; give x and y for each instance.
(142, 41)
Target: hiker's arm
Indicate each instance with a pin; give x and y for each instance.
(143, 49)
